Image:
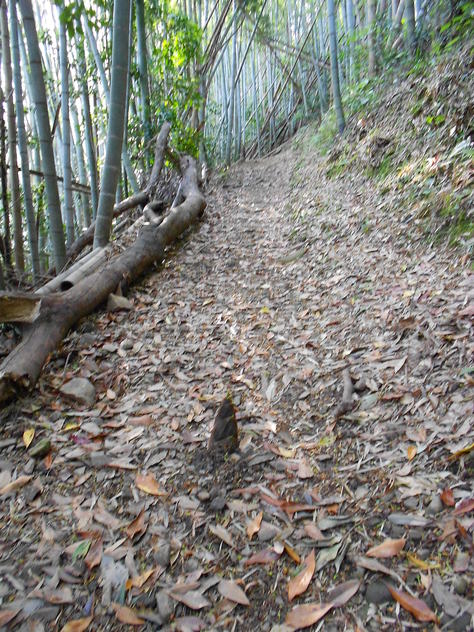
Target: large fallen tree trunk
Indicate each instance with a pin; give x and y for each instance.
(21, 369)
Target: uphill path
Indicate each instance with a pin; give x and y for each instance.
(294, 285)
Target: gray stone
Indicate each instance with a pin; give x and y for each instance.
(87, 340)
(203, 495)
(268, 531)
(458, 624)
(377, 592)
(460, 585)
(48, 613)
(29, 466)
(218, 503)
(164, 605)
(99, 459)
(435, 506)
(32, 606)
(162, 554)
(116, 303)
(411, 503)
(79, 389)
(416, 535)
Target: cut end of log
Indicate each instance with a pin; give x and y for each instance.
(19, 308)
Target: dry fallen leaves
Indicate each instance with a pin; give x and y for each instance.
(232, 591)
(298, 584)
(341, 593)
(222, 533)
(28, 437)
(18, 483)
(77, 625)
(192, 598)
(137, 525)
(266, 556)
(7, 615)
(307, 614)
(253, 526)
(94, 555)
(126, 615)
(388, 548)
(148, 484)
(447, 497)
(417, 607)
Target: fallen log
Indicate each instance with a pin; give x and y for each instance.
(69, 277)
(59, 312)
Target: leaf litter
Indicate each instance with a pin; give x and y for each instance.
(128, 519)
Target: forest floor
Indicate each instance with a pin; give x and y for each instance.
(292, 276)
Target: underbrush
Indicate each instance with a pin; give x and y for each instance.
(411, 133)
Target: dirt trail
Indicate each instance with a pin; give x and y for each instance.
(290, 279)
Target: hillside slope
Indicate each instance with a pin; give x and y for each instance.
(411, 133)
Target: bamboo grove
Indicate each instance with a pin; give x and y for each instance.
(234, 78)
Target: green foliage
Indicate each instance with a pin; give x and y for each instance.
(71, 14)
(459, 25)
(175, 50)
(436, 120)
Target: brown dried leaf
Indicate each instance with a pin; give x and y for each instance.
(290, 552)
(189, 624)
(222, 533)
(411, 452)
(58, 596)
(77, 625)
(341, 593)
(126, 615)
(465, 506)
(193, 599)
(307, 614)
(94, 555)
(297, 585)
(388, 548)
(253, 526)
(7, 615)
(313, 532)
(122, 464)
(139, 580)
(232, 591)
(291, 507)
(142, 420)
(102, 516)
(137, 525)
(417, 607)
(447, 497)
(18, 483)
(305, 470)
(148, 484)
(266, 556)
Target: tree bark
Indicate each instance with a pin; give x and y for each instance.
(23, 143)
(116, 122)
(42, 118)
(12, 146)
(21, 369)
